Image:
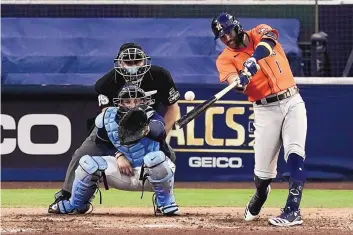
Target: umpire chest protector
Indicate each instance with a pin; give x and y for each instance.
(135, 152)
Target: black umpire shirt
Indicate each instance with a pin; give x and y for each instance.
(157, 78)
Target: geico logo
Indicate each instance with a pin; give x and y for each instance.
(24, 127)
(216, 162)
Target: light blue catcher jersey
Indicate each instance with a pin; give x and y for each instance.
(135, 152)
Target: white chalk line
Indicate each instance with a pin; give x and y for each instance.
(16, 230)
(163, 226)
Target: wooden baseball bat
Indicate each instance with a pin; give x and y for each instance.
(205, 105)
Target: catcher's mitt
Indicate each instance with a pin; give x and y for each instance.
(133, 126)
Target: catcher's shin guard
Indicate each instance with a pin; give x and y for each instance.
(160, 172)
(87, 176)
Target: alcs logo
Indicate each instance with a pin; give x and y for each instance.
(24, 141)
(215, 162)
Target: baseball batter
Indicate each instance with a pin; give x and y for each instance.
(140, 162)
(280, 115)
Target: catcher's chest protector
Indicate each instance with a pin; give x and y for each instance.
(134, 153)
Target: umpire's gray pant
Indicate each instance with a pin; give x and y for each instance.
(90, 147)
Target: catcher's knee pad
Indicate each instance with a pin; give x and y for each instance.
(159, 167)
(87, 175)
(161, 176)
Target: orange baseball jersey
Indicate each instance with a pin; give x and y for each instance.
(275, 74)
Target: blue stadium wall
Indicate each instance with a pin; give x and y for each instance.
(333, 19)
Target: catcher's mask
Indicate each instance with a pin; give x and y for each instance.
(130, 96)
(132, 63)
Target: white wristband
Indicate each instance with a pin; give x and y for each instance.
(118, 154)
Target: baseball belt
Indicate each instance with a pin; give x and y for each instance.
(279, 96)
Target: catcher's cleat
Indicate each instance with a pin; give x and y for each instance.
(62, 204)
(59, 196)
(61, 207)
(169, 210)
(288, 217)
(64, 207)
(253, 207)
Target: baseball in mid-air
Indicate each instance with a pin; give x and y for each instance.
(189, 95)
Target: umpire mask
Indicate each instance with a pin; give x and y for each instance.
(132, 64)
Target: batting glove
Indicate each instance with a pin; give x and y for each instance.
(251, 66)
(244, 79)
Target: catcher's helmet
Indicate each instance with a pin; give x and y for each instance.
(224, 23)
(132, 63)
(127, 93)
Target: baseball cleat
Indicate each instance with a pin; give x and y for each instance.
(64, 207)
(59, 196)
(288, 217)
(253, 207)
(169, 210)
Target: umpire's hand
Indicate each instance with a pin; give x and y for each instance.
(124, 165)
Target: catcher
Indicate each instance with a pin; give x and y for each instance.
(138, 134)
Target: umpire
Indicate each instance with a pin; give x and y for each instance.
(133, 66)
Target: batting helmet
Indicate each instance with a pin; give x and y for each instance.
(224, 23)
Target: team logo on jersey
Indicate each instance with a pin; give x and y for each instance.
(103, 100)
(262, 30)
(271, 35)
(173, 95)
(268, 33)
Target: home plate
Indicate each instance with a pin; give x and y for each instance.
(161, 226)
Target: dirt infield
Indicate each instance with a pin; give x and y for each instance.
(208, 220)
(203, 221)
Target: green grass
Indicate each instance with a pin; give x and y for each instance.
(185, 197)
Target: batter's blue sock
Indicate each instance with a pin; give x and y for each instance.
(296, 180)
(296, 167)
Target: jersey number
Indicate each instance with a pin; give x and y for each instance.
(280, 71)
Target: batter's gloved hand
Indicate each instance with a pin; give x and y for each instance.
(133, 126)
(244, 79)
(251, 66)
